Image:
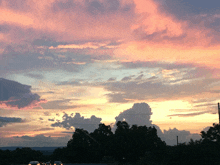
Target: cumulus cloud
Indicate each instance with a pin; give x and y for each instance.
(16, 95)
(140, 114)
(170, 136)
(10, 120)
(78, 121)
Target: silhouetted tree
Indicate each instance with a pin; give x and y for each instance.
(203, 152)
(213, 134)
(128, 144)
(60, 154)
(18, 155)
(102, 140)
(5, 157)
(132, 143)
(193, 143)
(87, 147)
(79, 146)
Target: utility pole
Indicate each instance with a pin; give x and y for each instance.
(177, 140)
(218, 113)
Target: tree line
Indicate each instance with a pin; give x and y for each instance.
(139, 145)
(20, 156)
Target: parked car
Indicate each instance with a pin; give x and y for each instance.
(34, 163)
(57, 163)
(48, 163)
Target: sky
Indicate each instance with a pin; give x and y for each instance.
(67, 64)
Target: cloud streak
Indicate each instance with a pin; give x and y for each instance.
(189, 114)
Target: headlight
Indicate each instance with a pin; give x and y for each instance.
(38, 164)
(29, 164)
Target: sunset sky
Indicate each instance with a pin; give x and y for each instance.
(68, 64)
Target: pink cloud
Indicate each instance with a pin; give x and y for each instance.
(11, 104)
(84, 20)
(146, 32)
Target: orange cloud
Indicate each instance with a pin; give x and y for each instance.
(148, 33)
(81, 21)
(153, 21)
(8, 16)
(142, 51)
(161, 37)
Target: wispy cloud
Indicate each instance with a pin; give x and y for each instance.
(189, 114)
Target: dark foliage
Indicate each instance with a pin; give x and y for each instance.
(128, 144)
(213, 134)
(5, 157)
(20, 156)
(137, 145)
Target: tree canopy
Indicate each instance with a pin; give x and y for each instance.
(213, 134)
(127, 144)
(138, 145)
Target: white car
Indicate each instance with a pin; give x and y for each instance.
(34, 163)
(57, 163)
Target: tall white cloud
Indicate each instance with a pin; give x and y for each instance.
(140, 115)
